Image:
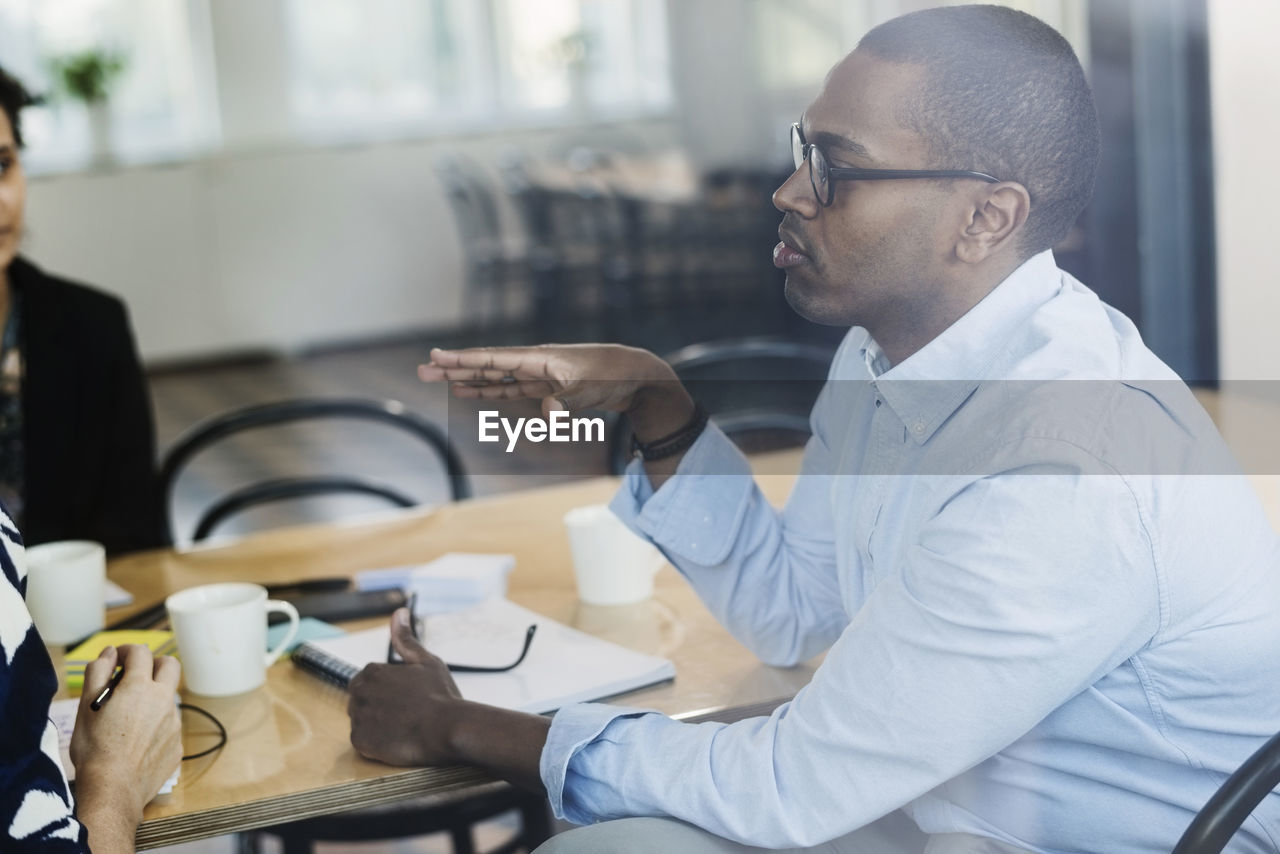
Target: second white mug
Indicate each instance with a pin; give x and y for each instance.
(221, 631)
(613, 565)
(66, 583)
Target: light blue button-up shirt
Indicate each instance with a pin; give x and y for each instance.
(1051, 613)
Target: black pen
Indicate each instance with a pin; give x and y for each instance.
(413, 628)
(106, 692)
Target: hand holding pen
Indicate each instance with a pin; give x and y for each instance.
(127, 739)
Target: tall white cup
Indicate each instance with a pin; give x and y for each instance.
(613, 566)
(66, 589)
(221, 631)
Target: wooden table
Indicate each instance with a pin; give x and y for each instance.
(288, 755)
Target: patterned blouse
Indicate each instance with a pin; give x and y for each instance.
(36, 808)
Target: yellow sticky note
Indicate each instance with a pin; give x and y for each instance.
(160, 643)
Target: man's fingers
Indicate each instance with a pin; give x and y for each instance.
(97, 674)
(167, 671)
(433, 373)
(136, 660)
(502, 391)
(530, 361)
(411, 651)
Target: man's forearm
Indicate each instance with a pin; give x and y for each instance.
(501, 742)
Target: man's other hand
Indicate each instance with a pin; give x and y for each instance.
(402, 714)
(413, 714)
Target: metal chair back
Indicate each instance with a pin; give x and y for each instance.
(226, 424)
(1220, 818)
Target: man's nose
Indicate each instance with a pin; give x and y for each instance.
(796, 194)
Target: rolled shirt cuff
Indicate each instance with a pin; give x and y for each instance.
(572, 729)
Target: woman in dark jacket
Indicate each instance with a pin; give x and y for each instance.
(76, 446)
(77, 443)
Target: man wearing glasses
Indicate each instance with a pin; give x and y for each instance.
(1035, 639)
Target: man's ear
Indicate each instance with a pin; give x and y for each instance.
(995, 218)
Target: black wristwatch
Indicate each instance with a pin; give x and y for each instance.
(674, 443)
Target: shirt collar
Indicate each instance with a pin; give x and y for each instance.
(927, 387)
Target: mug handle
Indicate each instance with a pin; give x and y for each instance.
(286, 608)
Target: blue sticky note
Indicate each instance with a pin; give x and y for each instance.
(309, 629)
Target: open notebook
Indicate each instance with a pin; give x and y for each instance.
(563, 665)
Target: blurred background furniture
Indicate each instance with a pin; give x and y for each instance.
(494, 269)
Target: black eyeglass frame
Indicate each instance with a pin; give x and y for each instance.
(468, 668)
(817, 158)
(393, 657)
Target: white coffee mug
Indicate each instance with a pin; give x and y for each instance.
(66, 589)
(613, 566)
(221, 631)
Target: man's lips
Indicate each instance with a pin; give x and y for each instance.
(785, 256)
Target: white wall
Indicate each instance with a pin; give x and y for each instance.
(1245, 89)
(273, 251)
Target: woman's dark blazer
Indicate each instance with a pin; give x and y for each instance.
(88, 429)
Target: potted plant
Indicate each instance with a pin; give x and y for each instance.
(88, 76)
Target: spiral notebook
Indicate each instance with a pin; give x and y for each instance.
(563, 666)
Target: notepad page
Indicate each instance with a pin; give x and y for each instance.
(563, 665)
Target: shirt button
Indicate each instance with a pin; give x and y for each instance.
(917, 428)
(879, 401)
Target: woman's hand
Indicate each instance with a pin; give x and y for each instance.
(125, 751)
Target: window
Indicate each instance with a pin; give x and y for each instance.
(440, 61)
(799, 40)
(163, 105)
(332, 70)
(590, 56)
(361, 65)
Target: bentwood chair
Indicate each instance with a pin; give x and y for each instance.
(1215, 824)
(221, 427)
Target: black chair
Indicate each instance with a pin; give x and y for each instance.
(453, 815)
(1215, 824)
(759, 391)
(219, 427)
